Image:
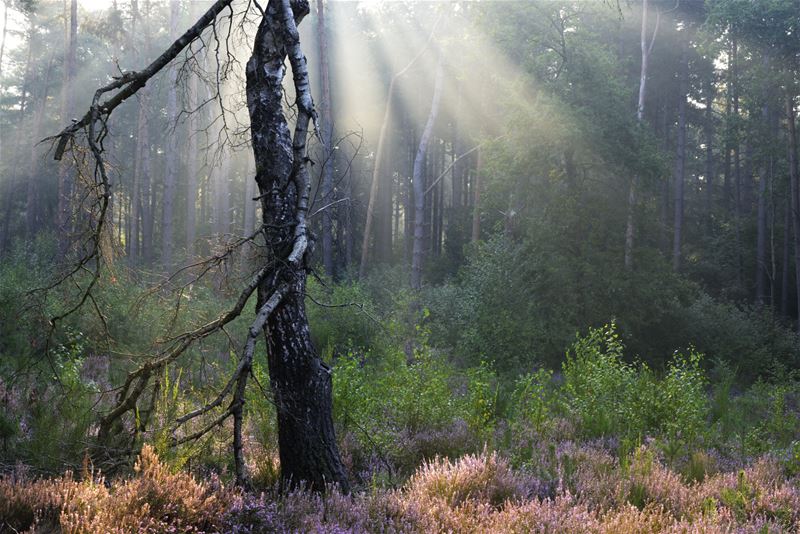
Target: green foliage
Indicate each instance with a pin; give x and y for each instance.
(534, 402)
(375, 399)
(482, 399)
(611, 397)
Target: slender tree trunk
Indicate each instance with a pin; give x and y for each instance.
(34, 165)
(10, 186)
(249, 203)
(476, 199)
(762, 268)
(146, 168)
(709, 171)
(737, 168)
(300, 380)
(65, 170)
(794, 179)
(419, 190)
(349, 237)
(326, 120)
(171, 174)
(221, 206)
(378, 164)
(680, 159)
(787, 233)
(3, 38)
(630, 227)
(192, 169)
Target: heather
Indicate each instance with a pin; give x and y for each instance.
(474, 493)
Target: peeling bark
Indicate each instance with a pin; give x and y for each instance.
(300, 380)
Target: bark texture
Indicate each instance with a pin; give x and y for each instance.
(300, 380)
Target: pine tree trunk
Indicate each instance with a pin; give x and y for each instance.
(630, 225)
(326, 120)
(171, 173)
(10, 186)
(785, 264)
(709, 171)
(476, 198)
(680, 159)
(66, 175)
(794, 179)
(192, 169)
(3, 38)
(34, 165)
(419, 190)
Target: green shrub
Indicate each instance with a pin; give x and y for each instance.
(608, 396)
(599, 385)
(534, 403)
(482, 399)
(377, 398)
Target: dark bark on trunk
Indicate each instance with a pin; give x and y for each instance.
(785, 264)
(709, 171)
(794, 178)
(326, 129)
(10, 186)
(737, 169)
(35, 164)
(762, 267)
(476, 199)
(171, 173)
(300, 381)
(680, 159)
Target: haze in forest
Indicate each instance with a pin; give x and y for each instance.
(450, 263)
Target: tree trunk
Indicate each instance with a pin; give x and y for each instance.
(737, 168)
(34, 165)
(192, 169)
(785, 264)
(419, 190)
(326, 129)
(709, 171)
(379, 155)
(300, 380)
(3, 38)
(65, 169)
(476, 198)
(795, 190)
(249, 203)
(630, 226)
(221, 191)
(680, 159)
(762, 268)
(10, 186)
(171, 174)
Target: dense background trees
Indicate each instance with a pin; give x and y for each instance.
(488, 180)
